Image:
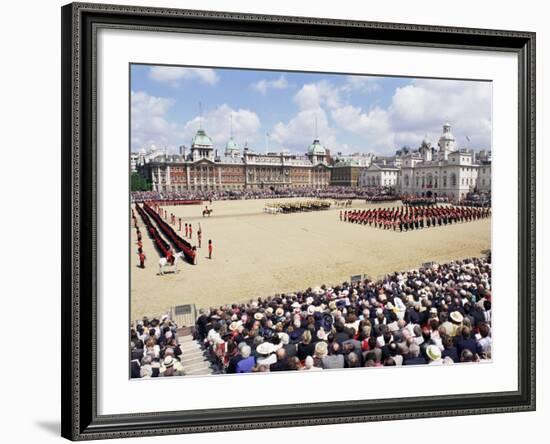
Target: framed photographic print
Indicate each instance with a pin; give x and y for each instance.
(326, 214)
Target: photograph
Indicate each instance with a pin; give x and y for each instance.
(284, 221)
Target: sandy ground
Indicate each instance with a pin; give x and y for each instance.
(256, 254)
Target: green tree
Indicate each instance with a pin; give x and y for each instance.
(138, 183)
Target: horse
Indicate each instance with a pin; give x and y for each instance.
(207, 212)
(163, 262)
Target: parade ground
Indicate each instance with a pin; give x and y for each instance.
(258, 254)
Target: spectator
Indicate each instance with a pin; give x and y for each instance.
(247, 362)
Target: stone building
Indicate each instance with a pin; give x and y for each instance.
(444, 170)
(345, 174)
(203, 169)
(378, 175)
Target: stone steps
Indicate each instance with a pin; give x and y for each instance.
(193, 360)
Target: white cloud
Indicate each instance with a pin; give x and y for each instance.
(152, 126)
(314, 95)
(418, 110)
(424, 105)
(413, 111)
(298, 133)
(174, 75)
(262, 86)
(373, 126)
(149, 123)
(217, 124)
(363, 84)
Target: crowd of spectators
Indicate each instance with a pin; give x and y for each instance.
(154, 348)
(440, 314)
(413, 200)
(474, 199)
(331, 192)
(375, 198)
(370, 194)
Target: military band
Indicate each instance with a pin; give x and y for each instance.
(408, 218)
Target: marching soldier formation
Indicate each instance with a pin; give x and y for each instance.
(407, 218)
(147, 212)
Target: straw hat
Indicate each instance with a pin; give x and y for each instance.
(433, 352)
(258, 316)
(168, 361)
(235, 325)
(457, 317)
(265, 348)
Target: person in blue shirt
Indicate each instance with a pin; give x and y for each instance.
(246, 364)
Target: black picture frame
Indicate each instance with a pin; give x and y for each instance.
(80, 22)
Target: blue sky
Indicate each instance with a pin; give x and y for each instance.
(351, 113)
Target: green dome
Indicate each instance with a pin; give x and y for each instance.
(231, 145)
(316, 148)
(202, 139)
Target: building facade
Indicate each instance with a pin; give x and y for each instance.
(134, 158)
(379, 176)
(203, 169)
(345, 174)
(357, 159)
(444, 171)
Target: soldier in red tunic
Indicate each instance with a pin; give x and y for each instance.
(142, 259)
(170, 257)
